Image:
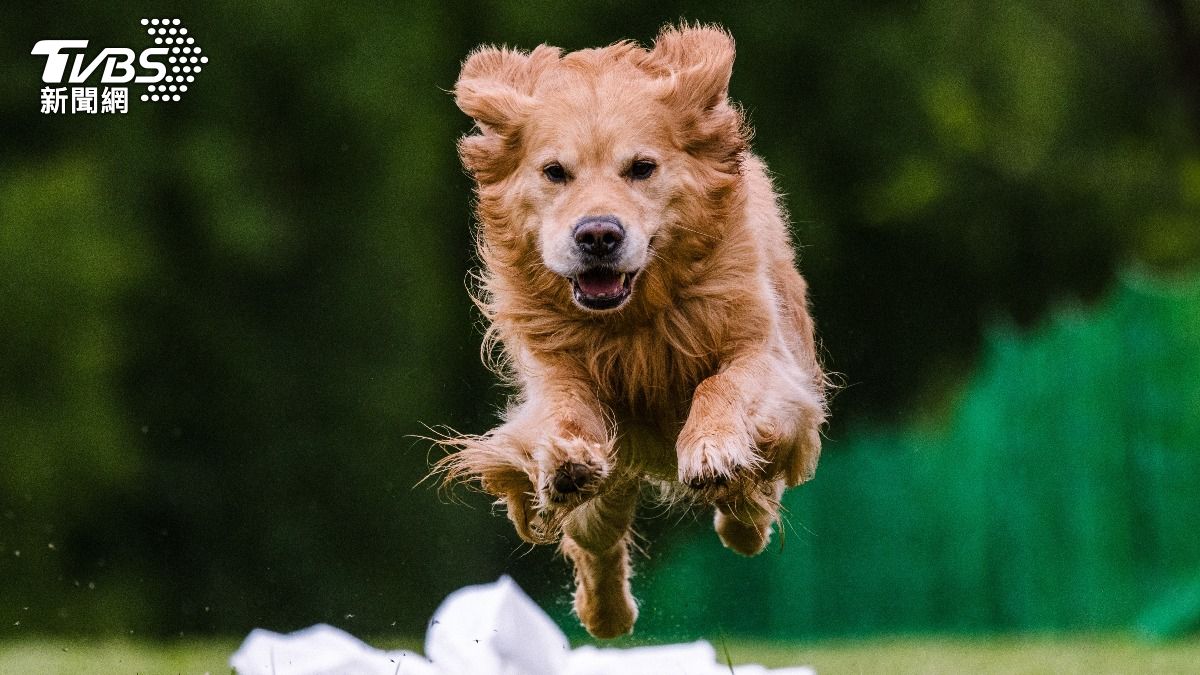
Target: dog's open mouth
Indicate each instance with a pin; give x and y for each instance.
(602, 288)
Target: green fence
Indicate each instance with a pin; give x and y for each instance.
(1063, 492)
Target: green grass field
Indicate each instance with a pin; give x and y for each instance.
(902, 655)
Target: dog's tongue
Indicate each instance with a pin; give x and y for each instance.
(600, 283)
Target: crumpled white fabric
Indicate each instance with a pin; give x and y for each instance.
(491, 629)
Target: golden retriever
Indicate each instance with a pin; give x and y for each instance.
(641, 295)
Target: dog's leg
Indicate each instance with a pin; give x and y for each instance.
(597, 543)
(569, 439)
(744, 523)
(551, 454)
(752, 424)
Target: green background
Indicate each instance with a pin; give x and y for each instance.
(223, 320)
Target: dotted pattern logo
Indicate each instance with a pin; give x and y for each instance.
(185, 59)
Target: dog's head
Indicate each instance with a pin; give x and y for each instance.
(598, 161)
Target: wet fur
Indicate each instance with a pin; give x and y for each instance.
(708, 378)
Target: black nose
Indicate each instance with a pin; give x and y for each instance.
(599, 235)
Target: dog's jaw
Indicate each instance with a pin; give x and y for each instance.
(602, 289)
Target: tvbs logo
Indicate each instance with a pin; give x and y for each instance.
(166, 69)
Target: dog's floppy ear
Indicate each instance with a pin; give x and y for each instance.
(491, 88)
(700, 61)
(495, 89)
(696, 63)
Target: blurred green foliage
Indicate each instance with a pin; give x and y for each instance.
(223, 319)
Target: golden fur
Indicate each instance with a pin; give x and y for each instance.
(707, 377)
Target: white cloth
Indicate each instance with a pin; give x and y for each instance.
(492, 629)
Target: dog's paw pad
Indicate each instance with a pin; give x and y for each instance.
(572, 482)
(573, 477)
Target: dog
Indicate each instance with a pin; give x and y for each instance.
(640, 292)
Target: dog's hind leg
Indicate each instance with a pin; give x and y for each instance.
(596, 540)
(744, 523)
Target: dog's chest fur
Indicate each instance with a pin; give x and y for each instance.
(649, 369)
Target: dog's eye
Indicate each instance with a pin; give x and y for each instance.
(642, 169)
(555, 173)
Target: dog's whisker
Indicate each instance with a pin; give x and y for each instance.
(696, 232)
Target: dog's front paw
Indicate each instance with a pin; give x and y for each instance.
(572, 471)
(718, 467)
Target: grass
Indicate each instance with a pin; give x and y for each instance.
(995, 655)
(927, 656)
(53, 657)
